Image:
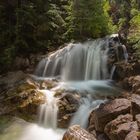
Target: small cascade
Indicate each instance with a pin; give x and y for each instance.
(47, 125)
(48, 111)
(87, 105)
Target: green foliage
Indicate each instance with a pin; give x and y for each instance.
(111, 27)
(87, 19)
(134, 30)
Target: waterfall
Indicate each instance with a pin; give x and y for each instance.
(81, 67)
(48, 111)
(81, 61)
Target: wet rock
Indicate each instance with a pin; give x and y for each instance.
(25, 102)
(20, 94)
(135, 104)
(120, 127)
(109, 111)
(68, 105)
(133, 135)
(77, 133)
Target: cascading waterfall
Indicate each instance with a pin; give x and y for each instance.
(47, 125)
(85, 61)
(81, 67)
(48, 111)
(82, 61)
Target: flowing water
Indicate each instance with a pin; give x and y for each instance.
(47, 123)
(48, 111)
(80, 67)
(86, 107)
(82, 61)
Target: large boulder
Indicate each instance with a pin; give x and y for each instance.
(109, 111)
(68, 104)
(19, 94)
(77, 133)
(26, 102)
(120, 127)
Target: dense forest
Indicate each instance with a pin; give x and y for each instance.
(41, 26)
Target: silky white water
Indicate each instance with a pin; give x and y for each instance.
(48, 111)
(82, 61)
(82, 115)
(47, 123)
